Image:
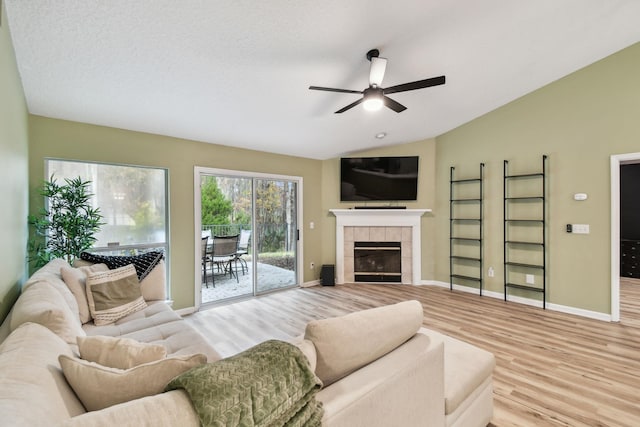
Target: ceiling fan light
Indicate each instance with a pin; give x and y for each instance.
(373, 104)
(373, 98)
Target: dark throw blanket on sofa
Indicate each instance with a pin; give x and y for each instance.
(143, 263)
(270, 384)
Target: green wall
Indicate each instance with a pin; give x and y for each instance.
(579, 121)
(77, 141)
(426, 150)
(13, 174)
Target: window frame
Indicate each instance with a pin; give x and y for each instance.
(166, 245)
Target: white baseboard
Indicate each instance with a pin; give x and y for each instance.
(527, 301)
(310, 284)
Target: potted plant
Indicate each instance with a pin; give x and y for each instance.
(66, 225)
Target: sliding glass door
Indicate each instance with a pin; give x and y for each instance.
(248, 234)
(276, 234)
(225, 215)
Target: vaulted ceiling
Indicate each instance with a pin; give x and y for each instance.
(237, 72)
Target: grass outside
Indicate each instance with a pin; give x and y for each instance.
(282, 259)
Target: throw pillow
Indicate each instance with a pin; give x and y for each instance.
(114, 294)
(143, 263)
(99, 386)
(42, 303)
(153, 285)
(117, 352)
(345, 344)
(76, 281)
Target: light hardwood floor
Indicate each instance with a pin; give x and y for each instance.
(552, 368)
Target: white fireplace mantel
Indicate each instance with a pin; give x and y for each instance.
(379, 218)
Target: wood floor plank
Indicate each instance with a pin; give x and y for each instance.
(553, 369)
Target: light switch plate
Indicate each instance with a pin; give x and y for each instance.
(580, 228)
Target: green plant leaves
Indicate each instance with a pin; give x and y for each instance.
(68, 224)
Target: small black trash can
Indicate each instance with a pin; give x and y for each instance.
(328, 275)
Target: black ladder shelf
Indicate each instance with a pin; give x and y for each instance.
(465, 216)
(530, 229)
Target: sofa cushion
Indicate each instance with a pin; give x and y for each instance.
(52, 268)
(42, 303)
(178, 337)
(155, 313)
(120, 353)
(307, 348)
(76, 281)
(344, 344)
(50, 273)
(33, 390)
(99, 386)
(169, 409)
(114, 294)
(466, 367)
(403, 388)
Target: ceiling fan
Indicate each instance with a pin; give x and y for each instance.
(374, 97)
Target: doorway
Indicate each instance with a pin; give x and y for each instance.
(247, 237)
(617, 161)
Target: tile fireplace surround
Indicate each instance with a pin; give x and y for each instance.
(401, 225)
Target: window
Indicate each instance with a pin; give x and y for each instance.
(132, 201)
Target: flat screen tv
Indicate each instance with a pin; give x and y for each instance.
(378, 178)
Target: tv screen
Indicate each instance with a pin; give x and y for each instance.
(378, 178)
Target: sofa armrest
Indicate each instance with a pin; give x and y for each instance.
(169, 409)
(404, 387)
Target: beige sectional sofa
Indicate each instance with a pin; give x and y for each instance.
(379, 367)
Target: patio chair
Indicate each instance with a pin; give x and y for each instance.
(243, 249)
(224, 254)
(205, 259)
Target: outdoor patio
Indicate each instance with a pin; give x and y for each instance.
(269, 277)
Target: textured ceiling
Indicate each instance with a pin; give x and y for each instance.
(237, 72)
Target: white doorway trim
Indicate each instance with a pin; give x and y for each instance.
(198, 171)
(616, 161)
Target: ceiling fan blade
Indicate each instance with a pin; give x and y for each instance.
(420, 84)
(350, 106)
(330, 89)
(394, 105)
(376, 72)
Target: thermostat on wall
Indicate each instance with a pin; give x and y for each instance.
(580, 196)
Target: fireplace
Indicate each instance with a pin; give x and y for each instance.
(378, 225)
(377, 261)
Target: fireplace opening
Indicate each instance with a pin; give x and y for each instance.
(377, 262)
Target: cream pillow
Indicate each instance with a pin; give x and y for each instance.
(76, 281)
(42, 303)
(99, 386)
(345, 344)
(114, 294)
(116, 352)
(153, 284)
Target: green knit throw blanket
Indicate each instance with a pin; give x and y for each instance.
(270, 384)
